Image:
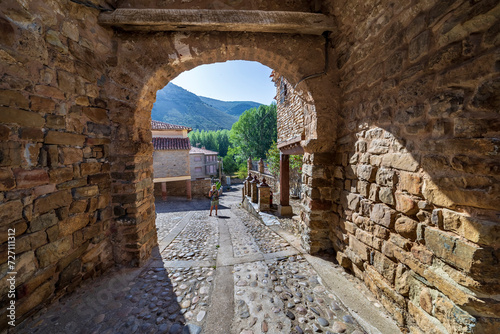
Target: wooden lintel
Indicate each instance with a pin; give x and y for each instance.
(294, 150)
(293, 141)
(217, 20)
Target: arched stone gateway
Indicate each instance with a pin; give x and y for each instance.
(401, 156)
(148, 62)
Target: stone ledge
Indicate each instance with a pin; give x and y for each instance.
(218, 20)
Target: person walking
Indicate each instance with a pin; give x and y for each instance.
(214, 199)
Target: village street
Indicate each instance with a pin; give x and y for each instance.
(224, 274)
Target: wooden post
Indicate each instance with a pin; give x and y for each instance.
(284, 208)
(164, 191)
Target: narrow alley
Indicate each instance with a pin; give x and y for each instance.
(224, 274)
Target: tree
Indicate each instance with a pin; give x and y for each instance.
(255, 131)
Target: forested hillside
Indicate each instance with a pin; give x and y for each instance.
(176, 105)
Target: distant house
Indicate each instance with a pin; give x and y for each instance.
(203, 163)
(171, 156)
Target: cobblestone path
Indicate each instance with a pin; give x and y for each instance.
(214, 275)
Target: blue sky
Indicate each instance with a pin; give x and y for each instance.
(236, 80)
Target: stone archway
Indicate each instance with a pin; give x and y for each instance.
(146, 63)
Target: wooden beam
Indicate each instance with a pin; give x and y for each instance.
(217, 20)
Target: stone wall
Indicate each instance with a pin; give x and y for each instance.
(199, 188)
(294, 107)
(170, 163)
(416, 192)
(55, 168)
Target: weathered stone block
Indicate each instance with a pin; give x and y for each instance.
(383, 215)
(422, 254)
(30, 178)
(73, 223)
(42, 104)
(454, 319)
(90, 168)
(385, 195)
(48, 91)
(405, 204)
(374, 190)
(403, 161)
(407, 227)
(385, 267)
(43, 222)
(410, 182)
(78, 206)
(55, 122)
(21, 117)
(343, 260)
(386, 177)
(53, 201)
(51, 253)
(436, 196)
(401, 280)
(476, 230)
(425, 300)
(13, 98)
(451, 249)
(32, 134)
(60, 175)
(64, 138)
(85, 192)
(10, 154)
(379, 146)
(366, 172)
(7, 180)
(10, 211)
(97, 115)
(359, 248)
(70, 155)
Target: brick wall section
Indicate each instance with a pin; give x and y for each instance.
(415, 182)
(170, 163)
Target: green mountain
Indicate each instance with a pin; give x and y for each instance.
(176, 105)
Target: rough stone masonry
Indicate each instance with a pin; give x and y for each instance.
(401, 173)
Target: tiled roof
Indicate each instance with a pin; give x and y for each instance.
(201, 150)
(156, 125)
(164, 143)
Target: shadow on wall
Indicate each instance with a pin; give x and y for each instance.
(418, 196)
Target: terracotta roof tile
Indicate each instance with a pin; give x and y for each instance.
(164, 143)
(157, 125)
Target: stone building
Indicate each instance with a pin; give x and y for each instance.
(401, 157)
(171, 156)
(204, 163)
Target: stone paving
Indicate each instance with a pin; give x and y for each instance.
(273, 288)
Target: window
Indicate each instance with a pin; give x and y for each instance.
(197, 169)
(197, 158)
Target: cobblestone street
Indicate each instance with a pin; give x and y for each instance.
(224, 274)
